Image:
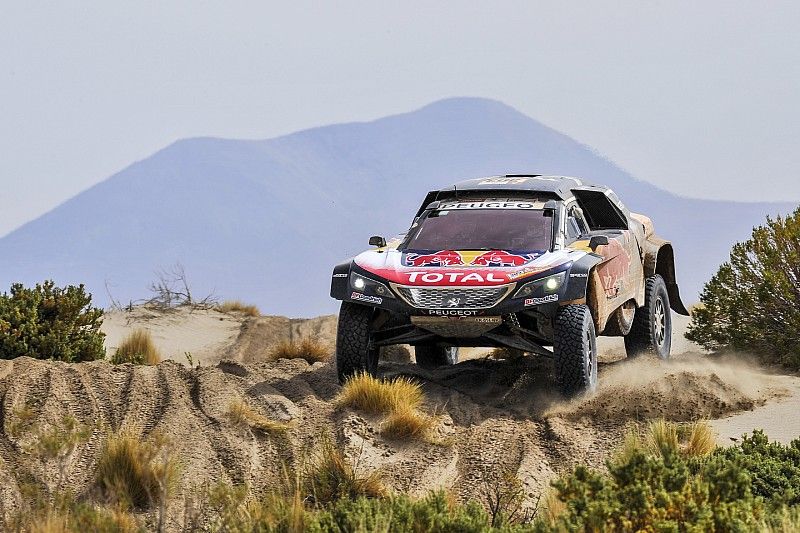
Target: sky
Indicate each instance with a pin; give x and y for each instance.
(699, 98)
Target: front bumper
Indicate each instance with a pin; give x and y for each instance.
(447, 301)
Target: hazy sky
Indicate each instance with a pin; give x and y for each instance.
(700, 98)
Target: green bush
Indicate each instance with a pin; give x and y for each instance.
(774, 468)
(49, 322)
(753, 302)
(648, 493)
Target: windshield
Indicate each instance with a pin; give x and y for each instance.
(483, 229)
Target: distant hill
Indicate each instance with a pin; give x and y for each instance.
(265, 221)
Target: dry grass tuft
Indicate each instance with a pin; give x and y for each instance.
(311, 350)
(662, 438)
(137, 348)
(332, 477)
(376, 396)
(700, 439)
(135, 472)
(241, 414)
(237, 306)
(407, 423)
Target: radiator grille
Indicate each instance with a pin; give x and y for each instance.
(453, 297)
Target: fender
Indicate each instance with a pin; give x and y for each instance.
(659, 258)
(578, 279)
(340, 280)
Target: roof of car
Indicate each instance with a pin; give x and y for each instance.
(560, 186)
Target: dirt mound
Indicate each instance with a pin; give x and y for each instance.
(258, 335)
(688, 388)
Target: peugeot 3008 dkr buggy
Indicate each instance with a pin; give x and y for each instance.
(524, 262)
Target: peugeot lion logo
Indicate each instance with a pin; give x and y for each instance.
(453, 302)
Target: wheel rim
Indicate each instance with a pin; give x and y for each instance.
(659, 323)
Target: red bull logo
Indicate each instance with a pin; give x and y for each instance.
(443, 258)
(502, 258)
(494, 258)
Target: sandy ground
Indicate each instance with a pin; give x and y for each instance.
(492, 415)
(210, 336)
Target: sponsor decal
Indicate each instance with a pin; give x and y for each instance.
(490, 204)
(366, 298)
(498, 258)
(543, 300)
(503, 181)
(453, 277)
(442, 258)
(579, 275)
(340, 275)
(502, 258)
(453, 312)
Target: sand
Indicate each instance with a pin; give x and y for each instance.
(491, 415)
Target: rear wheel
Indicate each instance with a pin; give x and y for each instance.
(651, 332)
(575, 350)
(354, 355)
(432, 356)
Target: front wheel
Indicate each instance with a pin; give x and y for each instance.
(354, 355)
(651, 332)
(575, 350)
(430, 357)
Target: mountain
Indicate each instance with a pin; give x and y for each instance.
(265, 221)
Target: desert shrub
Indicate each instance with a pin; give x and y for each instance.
(237, 306)
(402, 514)
(377, 396)
(331, 476)
(134, 471)
(240, 413)
(70, 516)
(752, 303)
(405, 423)
(137, 348)
(658, 493)
(49, 322)
(311, 350)
(396, 513)
(774, 468)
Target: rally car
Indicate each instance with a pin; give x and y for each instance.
(537, 264)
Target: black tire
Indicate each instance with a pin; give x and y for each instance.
(575, 350)
(432, 356)
(353, 352)
(651, 332)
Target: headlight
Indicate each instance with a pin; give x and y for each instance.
(369, 286)
(543, 286)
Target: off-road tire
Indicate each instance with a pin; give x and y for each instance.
(651, 332)
(354, 355)
(575, 350)
(432, 356)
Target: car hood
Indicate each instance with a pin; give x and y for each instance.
(461, 267)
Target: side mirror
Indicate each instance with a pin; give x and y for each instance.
(377, 240)
(598, 240)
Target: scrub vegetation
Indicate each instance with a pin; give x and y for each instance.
(50, 322)
(752, 304)
(137, 348)
(664, 477)
(241, 414)
(309, 349)
(237, 306)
